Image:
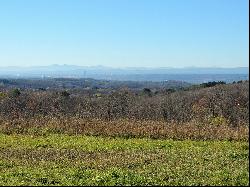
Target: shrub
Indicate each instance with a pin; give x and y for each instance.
(15, 93)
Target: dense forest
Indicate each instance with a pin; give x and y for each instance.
(86, 84)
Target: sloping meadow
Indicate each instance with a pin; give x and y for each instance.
(60, 159)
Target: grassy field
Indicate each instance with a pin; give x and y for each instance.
(59, 159)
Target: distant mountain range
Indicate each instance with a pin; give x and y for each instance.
(189, 74)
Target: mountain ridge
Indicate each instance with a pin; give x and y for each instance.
(66, 67)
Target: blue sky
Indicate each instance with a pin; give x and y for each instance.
(122, 33)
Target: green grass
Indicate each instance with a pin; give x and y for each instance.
(58, 159)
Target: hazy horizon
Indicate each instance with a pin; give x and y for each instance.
(125, 33)
(120, 67)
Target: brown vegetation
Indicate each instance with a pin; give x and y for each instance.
(219, 112)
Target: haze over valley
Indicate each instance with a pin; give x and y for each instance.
(194, 75)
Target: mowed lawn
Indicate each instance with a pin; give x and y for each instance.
(58, 159)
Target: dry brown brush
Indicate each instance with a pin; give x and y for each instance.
(220, 112)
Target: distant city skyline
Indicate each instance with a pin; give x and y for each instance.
(125, 33)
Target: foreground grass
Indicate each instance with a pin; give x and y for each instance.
(59, 159)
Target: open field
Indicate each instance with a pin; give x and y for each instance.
(60, 159)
